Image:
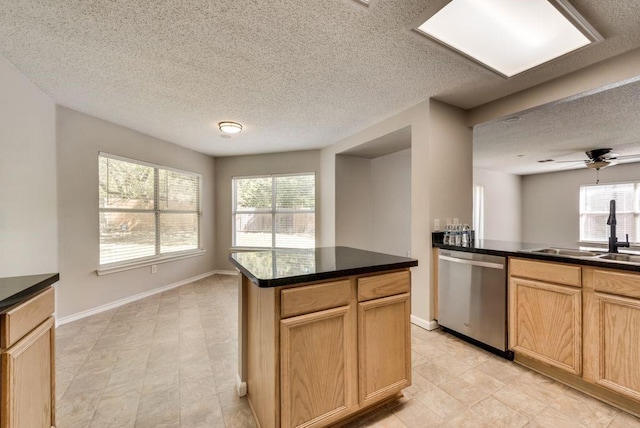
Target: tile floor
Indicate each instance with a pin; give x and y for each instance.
(170, 361)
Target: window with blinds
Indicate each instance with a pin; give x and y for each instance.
(275, 211)
(594, 211)
(146, 211)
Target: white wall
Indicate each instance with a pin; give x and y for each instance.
(391, 203)
(28, 213)
(272, 163)
(551, 202)
(502, 204)
(79, 139)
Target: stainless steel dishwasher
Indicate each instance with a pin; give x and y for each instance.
(472, 298)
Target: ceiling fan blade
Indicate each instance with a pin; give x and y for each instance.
(626, 157)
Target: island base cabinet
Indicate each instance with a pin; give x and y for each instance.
(319, 354)
(317, 368)
(615, 358)
(28, 388)
(384, 347)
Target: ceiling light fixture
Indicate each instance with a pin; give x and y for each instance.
(507, 36)
(230, 127)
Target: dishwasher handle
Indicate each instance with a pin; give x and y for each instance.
(472, 262)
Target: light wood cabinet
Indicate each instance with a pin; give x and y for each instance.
(384, 347)
(583, 330)
(28, 389)
(545, 319)
(318, 373)
(27, 366)
(613, 331)
(322, 352)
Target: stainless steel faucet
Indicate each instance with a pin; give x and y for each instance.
(611, 221)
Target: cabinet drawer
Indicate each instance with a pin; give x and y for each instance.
(312, 298)
(544, 271)
(622, 283)
(388, 284)
(21, 319)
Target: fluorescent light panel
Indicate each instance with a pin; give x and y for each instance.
(508, 36)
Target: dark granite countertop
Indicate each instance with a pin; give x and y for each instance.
(523, 249)
(271, 268)
(14, 290)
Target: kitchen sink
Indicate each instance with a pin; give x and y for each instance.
(567, 252)
(619, 257)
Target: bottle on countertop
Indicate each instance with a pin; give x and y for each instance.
(466, 235)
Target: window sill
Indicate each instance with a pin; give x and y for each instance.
(120, 267)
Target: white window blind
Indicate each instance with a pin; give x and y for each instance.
(594, 211)
(274, 211)
(146, 211)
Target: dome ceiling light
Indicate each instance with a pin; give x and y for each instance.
(229, 127)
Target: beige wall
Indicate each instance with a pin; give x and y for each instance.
(391, 203)
(437, 187)
(273, 163)
(450, 165)
(354, 217)
(373, 202)
(28, 213)
(79, 139)
(595, 78)
(502, 204)
(550, 202)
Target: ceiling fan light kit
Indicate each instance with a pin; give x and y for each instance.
(600, 158)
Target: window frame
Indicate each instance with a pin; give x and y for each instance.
(634, 241)
(158, 257)
(273, 211)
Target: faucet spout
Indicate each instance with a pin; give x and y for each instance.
(611, 221)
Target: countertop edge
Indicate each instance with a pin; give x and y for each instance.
(302, 279)
(605, 264)
(28, 292)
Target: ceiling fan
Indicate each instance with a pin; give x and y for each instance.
(602, 158)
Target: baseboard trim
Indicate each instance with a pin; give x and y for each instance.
(241, 387)
(117, 303)
(427, 325)
(226, 272)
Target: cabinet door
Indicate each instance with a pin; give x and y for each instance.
(617, 350)
(384, 347)
(28, 388)
(545, 323)
(318, 367)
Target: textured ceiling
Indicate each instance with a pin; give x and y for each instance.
(562, 131)
(297, 74)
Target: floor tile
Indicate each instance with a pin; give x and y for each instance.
(170, 360)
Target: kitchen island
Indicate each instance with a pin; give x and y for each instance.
(323, 333)
(27, 356)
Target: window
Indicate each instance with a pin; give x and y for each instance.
(478, 211)
(275, 211)
(594, 211)
(146, 211)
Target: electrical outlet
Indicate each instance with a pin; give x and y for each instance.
(154, 268)
(436, 224)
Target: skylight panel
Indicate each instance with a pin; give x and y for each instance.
(508, 36)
